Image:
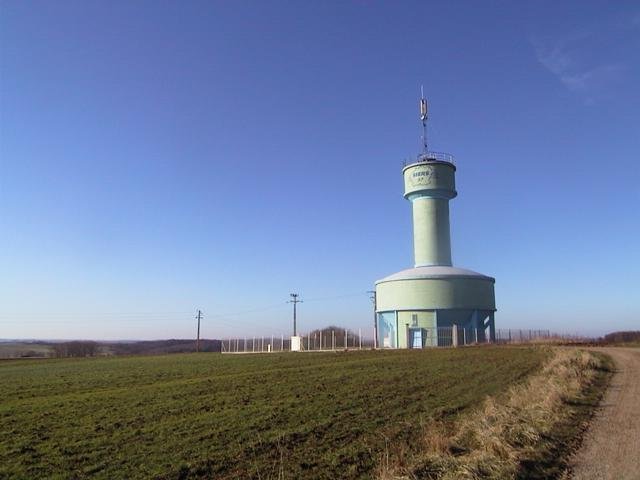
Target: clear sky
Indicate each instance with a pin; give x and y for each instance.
(157, 157)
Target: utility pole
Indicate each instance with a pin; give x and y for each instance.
(199, 317)
(295, 301)
(375, 319)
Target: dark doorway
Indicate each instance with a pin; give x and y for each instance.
(417, 337)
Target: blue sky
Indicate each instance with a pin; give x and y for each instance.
(159, 157)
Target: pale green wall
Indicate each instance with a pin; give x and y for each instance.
(430, 176)
(428, 293)
(429, 186)
(431, 234)
(425, 320)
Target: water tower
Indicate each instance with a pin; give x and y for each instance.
(414, 305)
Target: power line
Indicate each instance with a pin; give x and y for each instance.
(336, 297)
(143, 317)
(160, 315)
(39, 320)
(104, 314)
(253, 310)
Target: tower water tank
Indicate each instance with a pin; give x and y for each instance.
(433, 303)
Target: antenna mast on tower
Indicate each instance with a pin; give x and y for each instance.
(423, 117)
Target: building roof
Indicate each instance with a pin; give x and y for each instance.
(435, 271)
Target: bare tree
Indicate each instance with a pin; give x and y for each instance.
(75, 349)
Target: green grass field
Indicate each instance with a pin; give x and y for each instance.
(316, 415)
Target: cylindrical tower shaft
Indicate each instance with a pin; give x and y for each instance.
(429, 185)
(431, 233)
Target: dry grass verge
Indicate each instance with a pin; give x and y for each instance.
(509, 434)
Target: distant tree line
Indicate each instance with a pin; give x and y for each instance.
(160, 347)
(87, 348)
(32, 354)
(622, 337)
(333, 334)
(75, 349)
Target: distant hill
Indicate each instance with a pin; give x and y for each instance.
(24, 349)
(47, 348)
(158, 347)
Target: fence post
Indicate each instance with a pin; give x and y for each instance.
(333, 340)
(359, 339)
(282, 342)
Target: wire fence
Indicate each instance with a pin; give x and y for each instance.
(336, 339)
(516, 336)
(460, 336)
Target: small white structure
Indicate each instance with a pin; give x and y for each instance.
(296, 343)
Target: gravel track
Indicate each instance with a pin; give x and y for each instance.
(611, 447)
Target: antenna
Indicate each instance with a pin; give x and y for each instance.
(423, 118)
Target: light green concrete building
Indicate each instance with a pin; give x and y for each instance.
(434, 303)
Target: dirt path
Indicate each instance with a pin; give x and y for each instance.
(611, 447)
